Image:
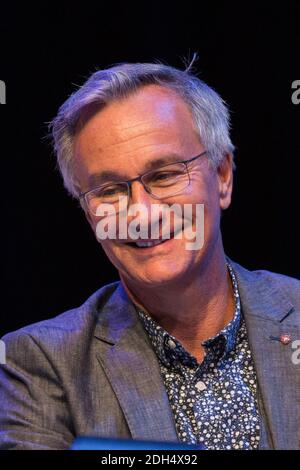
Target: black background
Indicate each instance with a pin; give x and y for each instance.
(249, 53)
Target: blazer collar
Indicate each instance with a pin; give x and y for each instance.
(261, 294)
(130, 364)
(118, 317)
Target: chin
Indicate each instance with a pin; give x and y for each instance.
(158, 275)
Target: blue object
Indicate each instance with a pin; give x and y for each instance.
(96, 443)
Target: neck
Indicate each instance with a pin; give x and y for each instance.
(195, 310)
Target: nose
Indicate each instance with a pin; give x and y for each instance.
(139, 195)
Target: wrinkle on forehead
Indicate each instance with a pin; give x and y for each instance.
(148, 106)
(151, 122)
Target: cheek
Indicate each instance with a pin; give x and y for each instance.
(206, 194)
(112, 252)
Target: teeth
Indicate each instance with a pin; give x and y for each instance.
(141, 244)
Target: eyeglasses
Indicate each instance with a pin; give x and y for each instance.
(165, 181)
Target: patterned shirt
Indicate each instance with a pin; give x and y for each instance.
(214, 402)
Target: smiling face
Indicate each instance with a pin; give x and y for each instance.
(121, 142)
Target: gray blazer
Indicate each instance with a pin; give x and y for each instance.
(92, 371)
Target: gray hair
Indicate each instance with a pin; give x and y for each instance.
(209, 110)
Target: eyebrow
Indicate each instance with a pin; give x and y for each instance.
(107, 176)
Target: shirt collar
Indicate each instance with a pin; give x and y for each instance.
(170, 350)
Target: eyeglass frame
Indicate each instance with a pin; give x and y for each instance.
(140, 179)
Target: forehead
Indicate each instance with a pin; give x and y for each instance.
(152, 108)
(152, 123)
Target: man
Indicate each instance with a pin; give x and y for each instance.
(188, 346)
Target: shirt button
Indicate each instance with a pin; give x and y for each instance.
(200, 386)
(171, 344)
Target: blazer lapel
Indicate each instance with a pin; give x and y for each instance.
(131, 366)
(269, 314)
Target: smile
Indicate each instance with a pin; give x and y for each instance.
(147, 244)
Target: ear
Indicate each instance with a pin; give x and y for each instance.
(225, 180)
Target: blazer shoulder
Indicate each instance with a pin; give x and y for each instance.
(72, 323)
(268, 294)
(289, 285)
